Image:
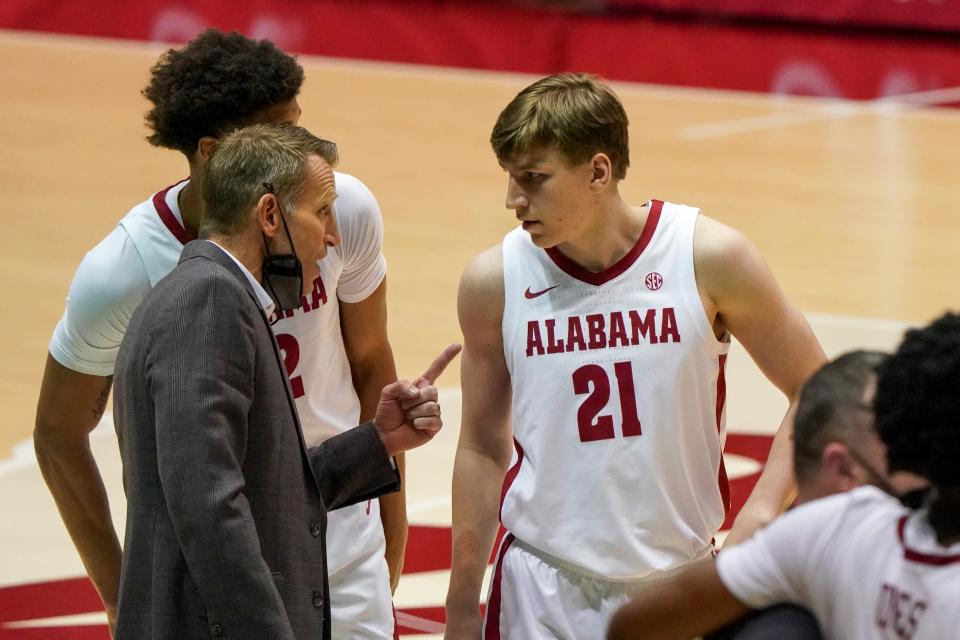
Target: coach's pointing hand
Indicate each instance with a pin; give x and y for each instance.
(408, 414)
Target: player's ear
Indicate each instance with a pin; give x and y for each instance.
(205, 147)
(837, 468)
(602, 171)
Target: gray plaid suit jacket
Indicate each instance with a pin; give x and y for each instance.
(226, 507)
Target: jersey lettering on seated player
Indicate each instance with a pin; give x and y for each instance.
(898, 611)
(288, 344)
(601, 331)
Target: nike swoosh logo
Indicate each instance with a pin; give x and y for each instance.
(530, 296)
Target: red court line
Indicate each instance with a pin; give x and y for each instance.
(79, 632)
(48, 599)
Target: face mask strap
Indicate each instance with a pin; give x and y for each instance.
(876, 478)
(269, 187)
(283, 265)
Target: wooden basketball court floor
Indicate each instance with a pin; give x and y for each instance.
(855, 206)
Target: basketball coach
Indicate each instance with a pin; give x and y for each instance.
(225, 504)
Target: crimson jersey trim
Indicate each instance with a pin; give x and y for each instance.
(168, 218)
(917, 556)
(492, 625)
(574, 270)
(511, 476)
(722, 478)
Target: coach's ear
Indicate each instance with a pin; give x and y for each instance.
(268, 215)
(837, 468)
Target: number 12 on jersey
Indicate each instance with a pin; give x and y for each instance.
(591, 424)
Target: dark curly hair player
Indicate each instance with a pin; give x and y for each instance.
(217, 83)
(918, 416)
(340, 356)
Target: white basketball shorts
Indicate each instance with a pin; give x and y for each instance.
(360, 600)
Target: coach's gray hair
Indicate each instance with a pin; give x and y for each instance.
(252, 161)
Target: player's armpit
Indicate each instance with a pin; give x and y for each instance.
(684, 605)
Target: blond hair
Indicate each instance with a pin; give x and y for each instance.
(575, 113)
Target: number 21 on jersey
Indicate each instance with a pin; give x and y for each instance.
(593, 381)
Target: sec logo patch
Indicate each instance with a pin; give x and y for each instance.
(653, 281)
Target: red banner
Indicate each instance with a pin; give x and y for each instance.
(487, 35)
(935, 15)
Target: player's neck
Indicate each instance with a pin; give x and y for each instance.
(613, 232)
(807, 494)
(191, 206)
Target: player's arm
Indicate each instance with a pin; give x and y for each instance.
(107, 287)
(70, 406)
(786, 562)
(684, 605)
(484, 449)
(364, 327)
(743, 297)
(362, 289)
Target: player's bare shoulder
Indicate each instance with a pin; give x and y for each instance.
(480, 296)
(358, 212)
(354, 197)
(724, 259)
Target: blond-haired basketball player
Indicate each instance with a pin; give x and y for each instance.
(596, 336)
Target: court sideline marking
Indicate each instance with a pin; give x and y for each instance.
(843, 109)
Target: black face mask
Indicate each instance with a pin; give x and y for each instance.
(282, 273)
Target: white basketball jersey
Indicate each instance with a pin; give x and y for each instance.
(117, 274)
(618, 404)
(311, 343)
(867, 568)
(106, 290)
(309, 336)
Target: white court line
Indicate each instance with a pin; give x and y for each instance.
(423, 506)
(843, 109)
(856, 322)
(932, 97)
(22, 457)
(767, 122)
(96, 618)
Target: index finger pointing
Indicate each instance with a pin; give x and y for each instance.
(439, 364)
